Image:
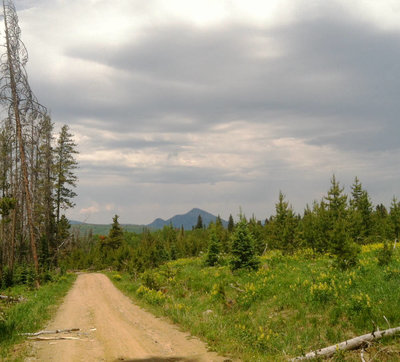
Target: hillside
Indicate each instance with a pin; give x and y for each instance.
(291, 305)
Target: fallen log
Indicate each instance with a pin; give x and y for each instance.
(53, 338)
(349, 344)
(12, 299)
(57, 331)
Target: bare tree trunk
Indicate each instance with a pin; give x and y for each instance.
(28, 198)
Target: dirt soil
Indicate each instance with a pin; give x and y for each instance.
(112, 328)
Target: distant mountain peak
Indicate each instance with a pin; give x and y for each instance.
(188, 220)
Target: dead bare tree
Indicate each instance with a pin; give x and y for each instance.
(23, 108)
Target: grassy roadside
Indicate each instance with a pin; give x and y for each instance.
(292, 305)
(30, 315)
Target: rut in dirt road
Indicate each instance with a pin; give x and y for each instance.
(112, 328)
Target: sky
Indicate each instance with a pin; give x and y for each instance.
(176, 104)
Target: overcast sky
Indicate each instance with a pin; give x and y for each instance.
(219, 104)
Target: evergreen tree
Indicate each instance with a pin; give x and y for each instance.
(381, 222)
(284, 226)
(231, 223)
(222, 235)
(63, 233)
(116, 234)
(257, 231)
(336, 201)
(65, 165)
(44, 206)
(199, 224)
(243, 253)
(214, 247)
(340, 241)
(361, 212)
(395, 217)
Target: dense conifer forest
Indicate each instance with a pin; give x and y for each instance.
(337, 225)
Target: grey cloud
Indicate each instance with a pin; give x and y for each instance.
(334, 81)
(167, 174)
(211, 76)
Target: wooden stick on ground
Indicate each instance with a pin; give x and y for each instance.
(53, 338)
(349, 344)
(51, 332)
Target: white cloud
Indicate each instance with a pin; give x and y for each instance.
(94, 209)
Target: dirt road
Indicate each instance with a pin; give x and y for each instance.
(112, 328)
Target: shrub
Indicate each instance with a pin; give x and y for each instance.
(151, 280)
(385, 254)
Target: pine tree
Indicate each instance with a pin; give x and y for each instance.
(395, 217)
(243, 253)
(214, 247)
(222, 235)
(199, 224)
(339, 237)
(44, 206)
(284, 226)
(361, 212)
(381, 222)
(63, 233)
(65, 165)
(231, 224)
(336, 201)
(115, 235)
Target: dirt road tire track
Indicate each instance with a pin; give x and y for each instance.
(112, 328)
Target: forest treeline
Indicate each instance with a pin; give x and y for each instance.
(36, 169)
(337, 225)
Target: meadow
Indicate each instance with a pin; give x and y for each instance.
(291, 305)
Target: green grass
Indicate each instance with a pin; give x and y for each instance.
(290, 306)
(32, 314)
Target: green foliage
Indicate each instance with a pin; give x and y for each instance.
(361, 212)
(7, 278)
(258, 232)
(343, 247)
(385, 254)
(243, 253)
(63, 227)
(231, 224)
(214, 248)
(284, 227)
(6, 205)
(339, 237)
(395, 217)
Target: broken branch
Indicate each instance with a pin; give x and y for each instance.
(51, 332)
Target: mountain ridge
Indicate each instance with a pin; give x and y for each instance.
(187, 220)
